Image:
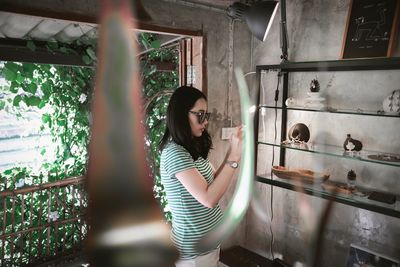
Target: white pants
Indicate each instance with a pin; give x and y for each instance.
(210, 259)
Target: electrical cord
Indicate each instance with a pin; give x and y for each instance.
(272, 164)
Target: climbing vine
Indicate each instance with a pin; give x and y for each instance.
(157, 89)
(62, 96)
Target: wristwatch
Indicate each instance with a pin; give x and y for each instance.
(233, 164)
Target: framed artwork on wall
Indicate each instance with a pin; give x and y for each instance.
(371, 28)
(359, 256)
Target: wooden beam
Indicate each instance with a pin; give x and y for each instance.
(48, 13)
(16, 50)
(148, 27)
(165, 66)
(199, 63)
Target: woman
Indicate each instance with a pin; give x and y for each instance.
(192, 185)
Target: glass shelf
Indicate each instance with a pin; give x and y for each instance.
(387, 63)
(338, 111)
(317, 190)
(336, 151)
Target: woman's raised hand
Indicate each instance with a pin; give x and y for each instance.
(236, 144)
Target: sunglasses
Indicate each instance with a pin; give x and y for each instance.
(201, 116)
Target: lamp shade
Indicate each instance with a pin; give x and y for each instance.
(258, 17)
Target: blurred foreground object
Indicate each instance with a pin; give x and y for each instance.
(126, 224)
(244, 186)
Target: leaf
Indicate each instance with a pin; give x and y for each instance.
(52, 178)
(91, 53)
(61, 122)
(31, 45)
(17, 100)
(2, 104)
(86, 60)
(52, 45)
(32, 101)
(45, 118)
(28, 68)
(43, 198)
(63, 50)
(14, 87)
(155, 44)
(42, 104)
(43, 151)
(81, 83)
(46, 89)
(9, 75)
(20, 79)
(12, 66)
(20, 175)
(31, 88)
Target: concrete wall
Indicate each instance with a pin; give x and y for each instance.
(315, 29)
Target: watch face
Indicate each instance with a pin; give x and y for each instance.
(234, 164)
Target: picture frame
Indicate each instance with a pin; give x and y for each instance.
(371, 29)
(359, 256)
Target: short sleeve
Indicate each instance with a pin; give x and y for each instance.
(176, 159)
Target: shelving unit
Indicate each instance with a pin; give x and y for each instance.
(336, 152)
(316, 189)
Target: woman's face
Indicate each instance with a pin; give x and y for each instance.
(198, 118)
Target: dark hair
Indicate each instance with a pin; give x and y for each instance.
(178, 128)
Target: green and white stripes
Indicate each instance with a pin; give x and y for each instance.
(190, 219)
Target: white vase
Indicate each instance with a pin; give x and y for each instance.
(391, 104)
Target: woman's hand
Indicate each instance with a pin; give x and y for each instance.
(235, 153)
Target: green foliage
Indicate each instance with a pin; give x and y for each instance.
(157, 88)
(62, 95)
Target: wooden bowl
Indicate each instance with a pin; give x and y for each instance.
(304, 175)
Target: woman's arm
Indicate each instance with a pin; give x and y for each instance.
(210, 194)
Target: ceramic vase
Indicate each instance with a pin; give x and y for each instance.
(351, 180)
(391, 104)
(351, 144)
(299, 133)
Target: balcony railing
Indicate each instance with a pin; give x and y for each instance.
(42, 221)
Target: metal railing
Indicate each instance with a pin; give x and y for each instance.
(42, 221)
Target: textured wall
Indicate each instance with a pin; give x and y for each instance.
(315, 29)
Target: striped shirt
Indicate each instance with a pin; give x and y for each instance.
(190, 219)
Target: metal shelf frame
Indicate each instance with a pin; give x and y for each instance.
(284, 69)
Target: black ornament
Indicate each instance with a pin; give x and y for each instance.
(299, 133)
(351, 144)
(314, 86)
(351, 175)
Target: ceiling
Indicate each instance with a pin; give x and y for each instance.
(19, 26)
(18, 22)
